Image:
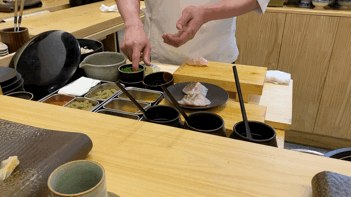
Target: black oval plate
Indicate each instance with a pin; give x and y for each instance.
(217, 95)
(47, 61)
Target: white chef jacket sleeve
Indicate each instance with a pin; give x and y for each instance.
(262, 5)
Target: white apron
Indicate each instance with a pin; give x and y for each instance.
(215, 40)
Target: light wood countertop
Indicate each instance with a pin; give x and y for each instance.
(145, 159)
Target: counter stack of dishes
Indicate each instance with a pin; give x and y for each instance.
(10, 80)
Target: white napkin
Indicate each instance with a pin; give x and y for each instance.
(79, 87)
(105, 8)
(278, 77)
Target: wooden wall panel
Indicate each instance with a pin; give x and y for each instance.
(334, 117)
(259, 38)
(305, 53)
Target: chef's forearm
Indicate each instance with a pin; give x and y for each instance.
(129, 10)
(228, 8)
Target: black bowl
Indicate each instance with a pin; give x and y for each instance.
(206, 122)
(261, 133)
(165, 115)
(22, 94)
(131, 77)
(90, 44)
(154, 81)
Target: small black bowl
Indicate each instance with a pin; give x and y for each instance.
(206, 122)
(154, 81)
(22, 94)
(261, 133)
(342, 154)
(163, 114)
(90, 44)
(131, 77)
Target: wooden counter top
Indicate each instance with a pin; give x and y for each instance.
(145, 159)
(294, 9)
(50, 5)
(80, 21)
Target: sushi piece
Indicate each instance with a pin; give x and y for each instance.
(196, 100)
(198, 61)
(195, 88)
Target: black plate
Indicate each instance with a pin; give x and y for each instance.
(7, 76)
(14, 84)
(217, 95)
(343, 154)
(47, 61)
(18, 88)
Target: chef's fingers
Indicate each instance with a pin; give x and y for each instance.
(184, 19)
(146, 54)
(136, 58)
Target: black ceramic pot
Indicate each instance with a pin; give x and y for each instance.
(206, 122)
(163, 114)
(154, 81)
(261, 132)
(131, 77)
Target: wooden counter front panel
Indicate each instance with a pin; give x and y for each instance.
(334, 116)
(259, 38)
(305, 53)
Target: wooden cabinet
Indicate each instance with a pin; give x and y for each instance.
(315, 47)
(259, 38)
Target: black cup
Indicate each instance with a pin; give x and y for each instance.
(131, 77)
(261, 133)
(163, 114)
(206, 122)
(154, 81)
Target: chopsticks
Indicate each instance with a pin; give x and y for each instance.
(16, 28)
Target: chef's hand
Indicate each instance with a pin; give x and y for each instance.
(188, 24)
(136, 46)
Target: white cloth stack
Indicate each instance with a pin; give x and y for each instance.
(278, 77)
(105, 8)
(79, 87)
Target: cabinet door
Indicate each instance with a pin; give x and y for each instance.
(334, 117)
(306, 51)
(259, 38)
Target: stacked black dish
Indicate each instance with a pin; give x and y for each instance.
(10, 80)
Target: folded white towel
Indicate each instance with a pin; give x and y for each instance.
(79, 87)
(278, 77)
(105, 8)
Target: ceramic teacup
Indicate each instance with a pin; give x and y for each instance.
(78, 178)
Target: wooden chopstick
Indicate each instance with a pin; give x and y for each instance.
(15, 15)
(20, 16)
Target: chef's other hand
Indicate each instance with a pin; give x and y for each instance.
(188, 24)
(136, 46)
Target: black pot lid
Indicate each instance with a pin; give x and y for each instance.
(7, 76)
(47, 61)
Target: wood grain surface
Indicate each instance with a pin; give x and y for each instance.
(263, 48)
(221, 74)
(334, 116)
(50, 5)
(145, 159)
(306, 54)
(81, 21)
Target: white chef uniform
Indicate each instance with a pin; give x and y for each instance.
(215, 40)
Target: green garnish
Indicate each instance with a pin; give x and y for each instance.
(129, 69)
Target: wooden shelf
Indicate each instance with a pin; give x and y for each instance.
(294, 9)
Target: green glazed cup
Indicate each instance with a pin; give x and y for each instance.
(78, 178)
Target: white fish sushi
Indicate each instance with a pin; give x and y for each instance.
(195, 88)
(198, 61)
(196, 100)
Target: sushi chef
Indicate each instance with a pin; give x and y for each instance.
(176, 30)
